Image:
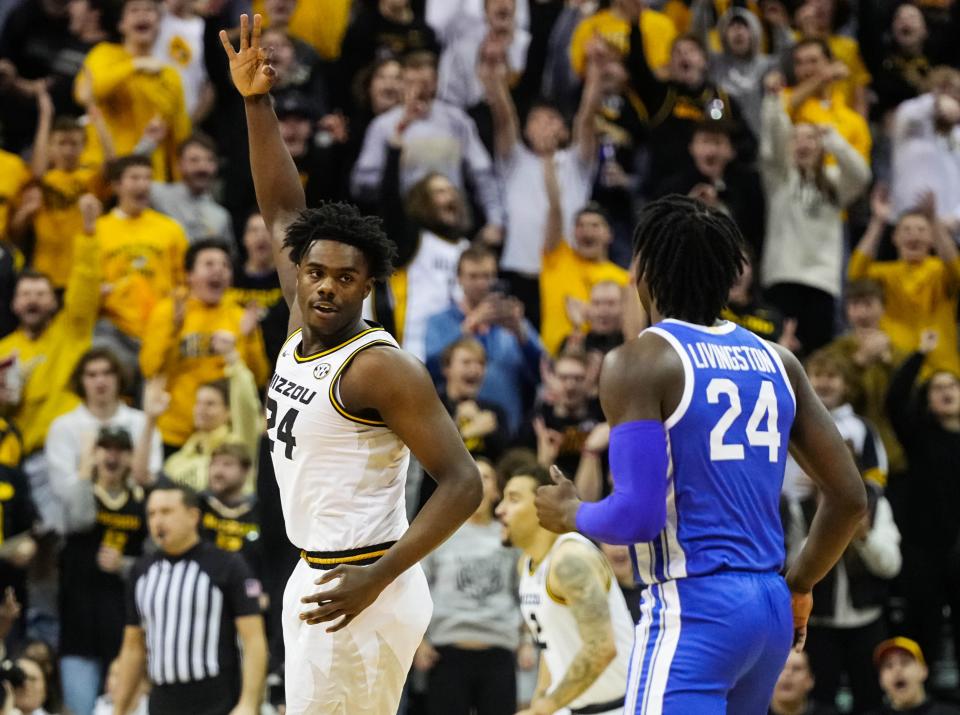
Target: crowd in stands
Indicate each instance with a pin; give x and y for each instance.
(507, 146)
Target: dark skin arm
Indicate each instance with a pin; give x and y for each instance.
(397, 387)
(821, 451)
(280, 194)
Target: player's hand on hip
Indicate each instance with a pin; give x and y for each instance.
(358, 587)
(557, 504)
(250, 68)
(802, 604)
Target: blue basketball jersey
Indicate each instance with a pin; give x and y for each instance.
(727, 443)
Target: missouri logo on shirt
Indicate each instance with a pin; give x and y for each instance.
(321, 370)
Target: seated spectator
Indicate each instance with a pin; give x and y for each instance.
(926, 418)
(142, 258)
(105, 703)
(613, 27)
(822, 20)
(791, 695)
(427, 226)
(385, 28)
(190, 201)
(920, 291)
(831, 377)
(230, 512)
(44, 349)
(132, 88)
(256, 286)
(482, 424)
(869, 350)
(61, 181)
(433, 137)
(99, 380)
(712, 175)
(470, 649)
(511, 345)
(818, 97)
(847, 618)
(34, 696)
(200, 338)
(457, 78)
(105, 527)
(803, 249)
(903, 674)
(745, 308)
(180, 45)
(680, 101)
(926, 149)
(571, 271)
(564, 421)
(520, 164)
(741, 64)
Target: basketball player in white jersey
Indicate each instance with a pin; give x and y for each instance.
(343, 406)
(573, 607)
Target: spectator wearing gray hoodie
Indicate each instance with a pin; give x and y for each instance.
(739, 68)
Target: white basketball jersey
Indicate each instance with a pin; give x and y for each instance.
(555, 629)
(341, 476)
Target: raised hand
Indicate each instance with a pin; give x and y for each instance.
(250, 67)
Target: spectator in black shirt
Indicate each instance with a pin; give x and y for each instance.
(903, 674)
(747, 311)
(193, 663)
(18, 547)
(791, 695)
(105, 528)
(255, 282)
(619, 559)
(230, 517)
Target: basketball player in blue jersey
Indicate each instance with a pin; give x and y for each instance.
(345, 408)
(702, 412)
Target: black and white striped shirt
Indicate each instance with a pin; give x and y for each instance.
(187, 606)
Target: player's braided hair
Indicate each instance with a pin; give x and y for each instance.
(690, 256)
(342, 222)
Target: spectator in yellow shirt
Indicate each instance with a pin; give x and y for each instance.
(320, 23)
(132, 88)
(179, 339)
(142, 257)
(920, 291)
(48, 340)
(613, 26)
(570, 272)
(14, 176)
(817, 99)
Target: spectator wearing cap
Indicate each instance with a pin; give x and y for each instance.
(133, 88)
(802, 264)
(925, 415)
(199, 338)
(190, 201)
(105, 527)
(818, 96)
(142, 258)
(199, 610)
(791, 694)
(869, 349)
(571, 270)
(99, 380)
(495, 319)
(520, 161)
(381, 29)
(903, 675)
(712, 175)
(433, 137)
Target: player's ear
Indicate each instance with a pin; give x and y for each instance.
(368, 286)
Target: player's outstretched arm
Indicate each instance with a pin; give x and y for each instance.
(275, 176)
(397, 387)
(823, 455)
(578, 576)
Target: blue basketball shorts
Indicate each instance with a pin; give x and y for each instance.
(710, 645)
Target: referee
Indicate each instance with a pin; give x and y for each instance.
(187, 604)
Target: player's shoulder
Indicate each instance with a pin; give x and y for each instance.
(648, 355)
(576, 567)
(791, 363)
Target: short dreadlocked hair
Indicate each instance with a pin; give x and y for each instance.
(690, 256)
(342, 222)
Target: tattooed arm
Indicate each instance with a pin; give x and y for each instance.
(578, 576)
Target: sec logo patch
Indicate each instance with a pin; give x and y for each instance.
(321, 370)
